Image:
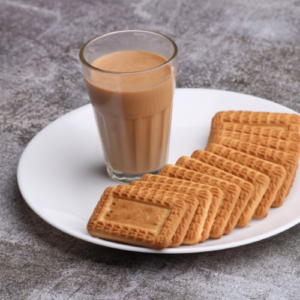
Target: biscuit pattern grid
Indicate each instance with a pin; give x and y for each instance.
(231, 194)
(282, 133)
(217, 198)
(260, 181)
(276, 144)
(256, 118)
(288, 161)
(247, 189)
(275, 172)
(100, 206)
(193, 235)
(158, 197)
(133, 234)
(182, 229)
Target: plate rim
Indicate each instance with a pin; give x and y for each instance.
(119, 246)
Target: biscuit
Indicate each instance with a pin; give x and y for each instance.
(231, 194)
(217, 197)
(276, 144)
(275, 172)
(262, 119)
(259, 181)
(247, 189)
(195, 220)
(270, 132)
(138, 216)
(288, 161)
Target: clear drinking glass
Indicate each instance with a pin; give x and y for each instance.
(133, 110)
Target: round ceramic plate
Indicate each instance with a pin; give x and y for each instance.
(62, 174)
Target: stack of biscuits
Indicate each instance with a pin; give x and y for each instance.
(249, 165)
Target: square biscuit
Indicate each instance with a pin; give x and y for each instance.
(276, 144)
(280, 133)
(138, 216)
(247, 188)
(288, 161)
(231, 194)
(195, 218)
(275, 172)
(217, 197)
(259, 181)
(261, 119)
(182, 229)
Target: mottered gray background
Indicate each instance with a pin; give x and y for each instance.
(252, 47)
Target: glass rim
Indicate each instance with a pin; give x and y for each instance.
(83, 60)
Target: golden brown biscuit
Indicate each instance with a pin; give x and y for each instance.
(138, 216)
(217, 197)
(183, 227)
(247, 188)
(288, 161)
(276, 144)
(270, 132)
(196, 221)
(231, 194)
(258, 180)
(262, 119)
(275, 172)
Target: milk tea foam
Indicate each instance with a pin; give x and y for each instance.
(133, 110)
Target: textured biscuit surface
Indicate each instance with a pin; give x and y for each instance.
(258, 180)
(264, 119)
(217, 196)
(275, 172)
(247, 189)
(195, 217)
(139, 216)
(276, 144)
(231, 194)
(288, 161)
(281, 133)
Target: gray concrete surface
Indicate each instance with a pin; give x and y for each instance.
(251, 47)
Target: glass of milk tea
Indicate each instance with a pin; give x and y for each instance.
(131, 77)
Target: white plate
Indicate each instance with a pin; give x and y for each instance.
(62, 175)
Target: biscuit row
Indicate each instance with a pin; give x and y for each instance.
(249, 165)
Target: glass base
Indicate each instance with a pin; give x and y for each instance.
(126, 178)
